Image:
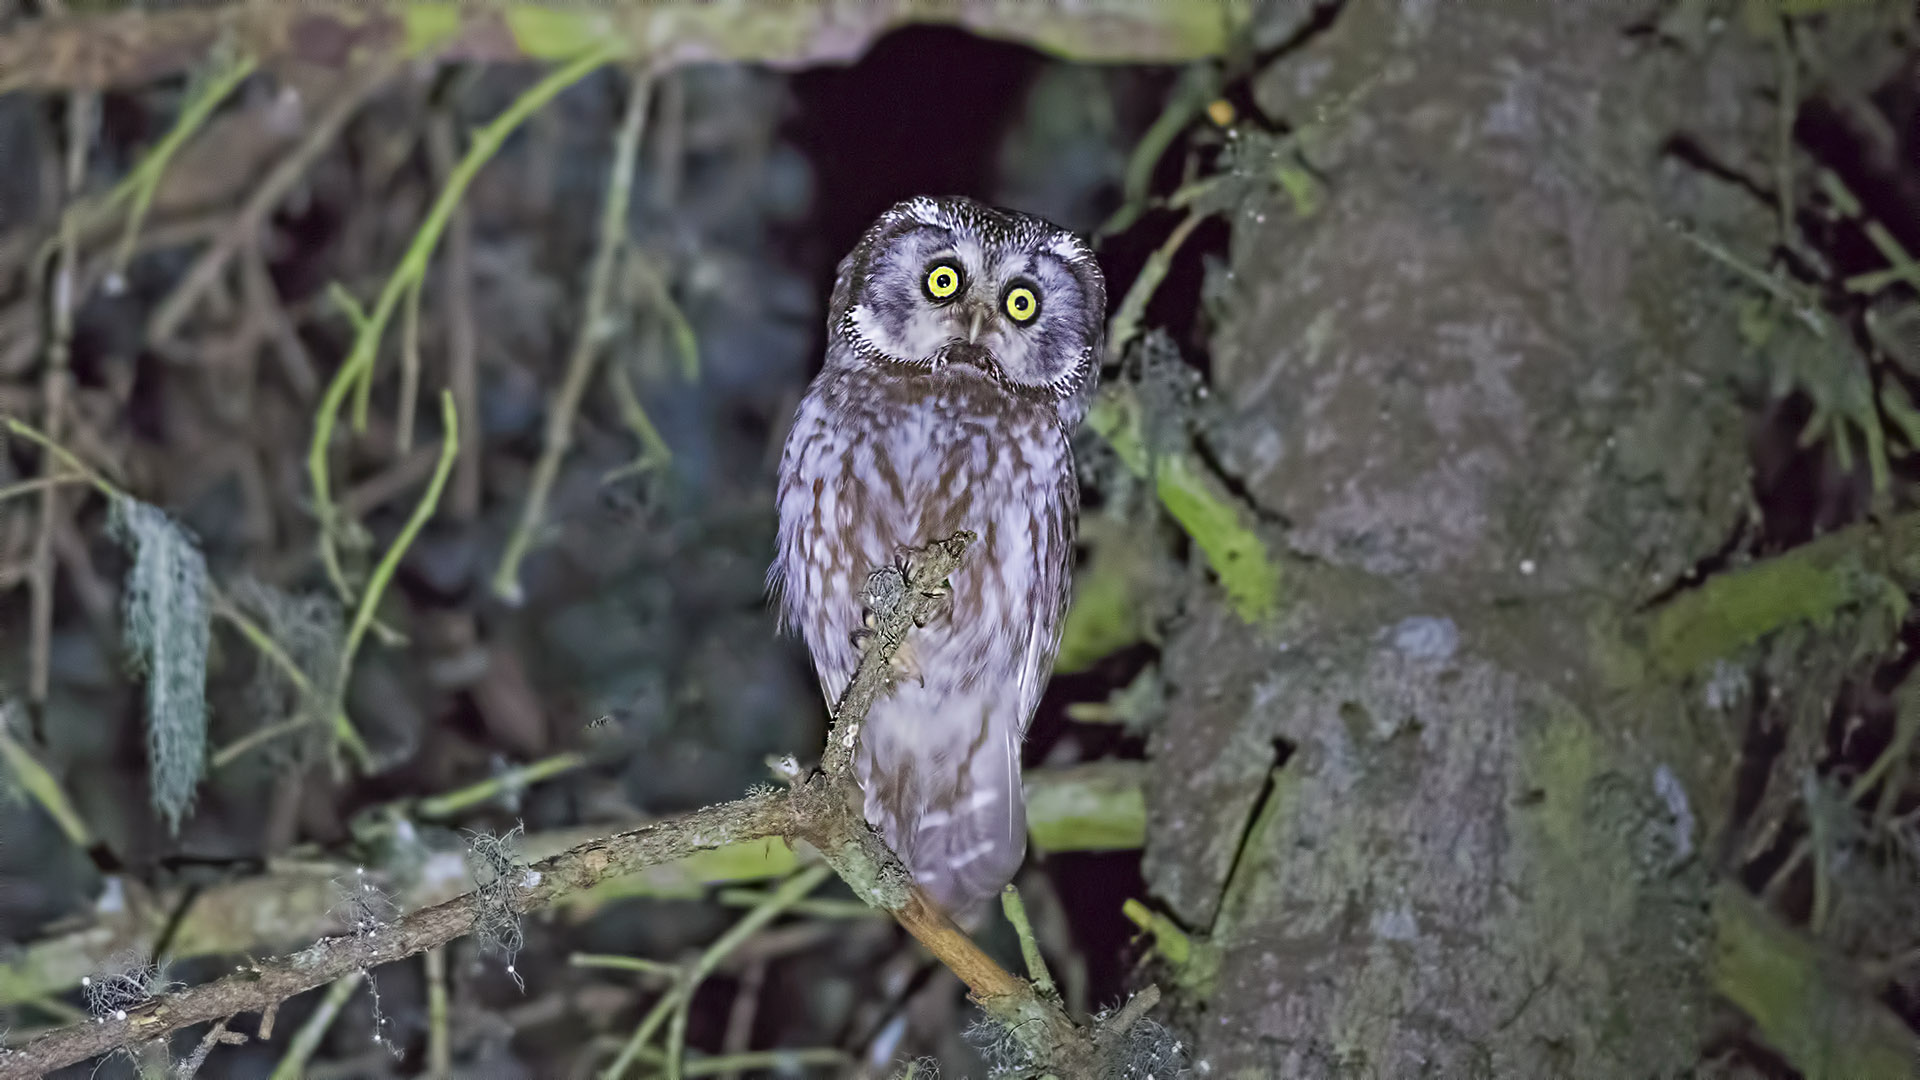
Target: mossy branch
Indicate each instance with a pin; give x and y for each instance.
(819, 811)
(1200, 502)
(126, 47)
(1878, 562)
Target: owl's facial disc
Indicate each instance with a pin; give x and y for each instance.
(950, 284)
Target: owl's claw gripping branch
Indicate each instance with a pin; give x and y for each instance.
(897, 598)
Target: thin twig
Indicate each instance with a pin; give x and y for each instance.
(654, 451)
(563, 875)
(740, 1016)
(53, 400)
(1902, 268)
(641, 964)
(463, 364)
(383, 573)
(586, 343)
(216, 1036)
(790, 892)
(409, 369)
(778, 1062)
(1788, 108)
(28, 487)
(1016, 912)
(245, 226)
(813, 909)
(257, 636)
(239, 747)
(1133, 307)
(441, 807)
(439, 1045)
(40, 785)
(359, 365)
(307, 1039)
(141, 184)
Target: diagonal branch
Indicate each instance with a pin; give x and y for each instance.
(819, 812)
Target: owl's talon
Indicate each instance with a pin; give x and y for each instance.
(942, 597)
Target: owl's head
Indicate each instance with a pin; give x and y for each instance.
(951, 285)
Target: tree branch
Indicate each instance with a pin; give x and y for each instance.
(103, 51)
(257, 986)
(821, 811)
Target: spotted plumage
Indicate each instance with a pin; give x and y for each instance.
(963, 349)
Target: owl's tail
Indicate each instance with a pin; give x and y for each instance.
(957, 820)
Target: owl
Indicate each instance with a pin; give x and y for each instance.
(963, 349)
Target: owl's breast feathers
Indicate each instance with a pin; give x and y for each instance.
(877, 462)
(874, 464)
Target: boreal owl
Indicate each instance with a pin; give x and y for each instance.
(963, 349)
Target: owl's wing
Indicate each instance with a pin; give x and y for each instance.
(812, 579)
(1056, 521)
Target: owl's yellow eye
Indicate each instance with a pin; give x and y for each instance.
(1022, 304)
(943, 281)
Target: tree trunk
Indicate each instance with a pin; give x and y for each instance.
(1445, 816)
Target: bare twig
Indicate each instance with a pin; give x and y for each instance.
(439, 1044)
(307, 1039)
(586, 344)
(409, 369)
(54, 391)
(218, 1035)
(463, 364)
(1133, 307)
(245, 226)
(383, 573)
(357, 371)
(898, 603)
(746, 1005)
(330, 959)
(1016, 912)
(789, 893)
(819, 812)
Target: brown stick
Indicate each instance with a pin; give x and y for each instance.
(259, 986)
(822, 811)
(245, 227)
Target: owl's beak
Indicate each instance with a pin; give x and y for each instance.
(976, 322)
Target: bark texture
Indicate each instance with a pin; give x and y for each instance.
(1487, 399)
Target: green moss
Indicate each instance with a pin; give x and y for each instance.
(557, 33)
(1195, 963)
(1200, 503)
(428, 25)
(689, 877)
(1105, 616)
(1098, 807)
(1734, 610)
(1805, 1004)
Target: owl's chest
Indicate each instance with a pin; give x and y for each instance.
(923, 470)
